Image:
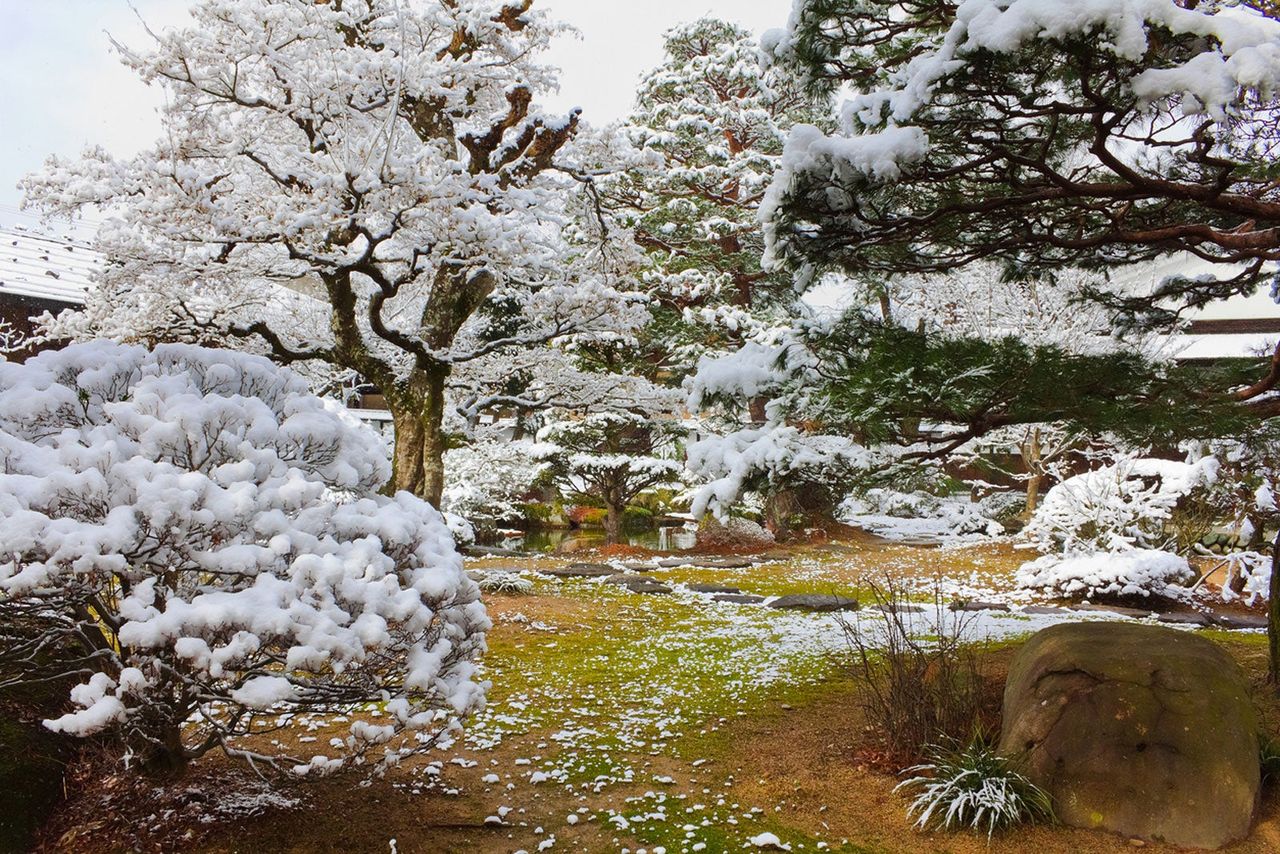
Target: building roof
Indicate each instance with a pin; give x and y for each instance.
(45, 266)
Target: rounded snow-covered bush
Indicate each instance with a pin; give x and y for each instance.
(199, 542)
(1104, 532)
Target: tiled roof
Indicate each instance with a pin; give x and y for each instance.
(44, 266)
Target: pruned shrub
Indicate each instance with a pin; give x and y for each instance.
(205, 542)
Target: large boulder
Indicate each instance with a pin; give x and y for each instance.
(1141, 730)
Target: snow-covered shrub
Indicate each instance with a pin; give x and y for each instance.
(1106, 532)
(202, 543)
(770, 459)
(487, 481)
(972, 787)
(1130, 572)
(896, 515)
(1122, 506)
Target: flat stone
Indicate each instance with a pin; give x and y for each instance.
(903, 608)
(1044, 609)
(917, 542)
(738, 598)
(814, 602)
(1184, 618)
(639, 567)
(673, 562)
(773, 557)
(977, 605)
(637, 583)
(714, 588)
(1241, 621)
(725, 563)
(580, 570)
(1135, 613)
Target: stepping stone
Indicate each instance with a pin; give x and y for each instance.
(1184, 618)
(673, 562)
(637, 583)
(1044, 609)
(905, 608)
(814, 602)
(1135, 613)
(639, 567)
(714, 588)
(725, 563)
(738, 598)
(916, 542)
(773, 557)
(1241, 621)
(580, 570)
(976, 605)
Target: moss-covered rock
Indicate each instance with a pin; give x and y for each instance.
(1140, 730)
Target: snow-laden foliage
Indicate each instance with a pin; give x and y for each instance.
(769, 457)
(487, 481)
(973, 788)
(1122, 506)
(352, 183)
(712, 122)
(1128, 572)
(198, 541)
(1105, 532)
(908, 515)
(1036, 134)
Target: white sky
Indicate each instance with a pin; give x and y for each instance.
(61, 87)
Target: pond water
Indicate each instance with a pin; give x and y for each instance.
(664, 539)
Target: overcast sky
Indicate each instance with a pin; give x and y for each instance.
(61, 87)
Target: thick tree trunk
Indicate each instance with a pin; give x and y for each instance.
(612, 523)
(165, 758)
(418, 418)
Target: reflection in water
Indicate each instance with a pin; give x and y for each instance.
(664, 539)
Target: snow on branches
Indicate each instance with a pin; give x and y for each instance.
(351, 183)
(1036, 133)
(1104, 532)
(200, 542)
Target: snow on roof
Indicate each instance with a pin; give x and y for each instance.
(1190, 348)
(45, 266)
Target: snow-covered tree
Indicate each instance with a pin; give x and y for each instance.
(488, 479)
(612, 457)
(384, 160)
(197, 542)
(712, 122)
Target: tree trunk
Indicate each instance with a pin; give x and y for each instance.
(612, 523)
(418, 419)
(165, 758)
(1273, 614)
(1032, 460)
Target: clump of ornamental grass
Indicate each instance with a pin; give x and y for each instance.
(969, 786)
(506, 584)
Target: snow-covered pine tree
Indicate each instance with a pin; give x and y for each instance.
(713, 122)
